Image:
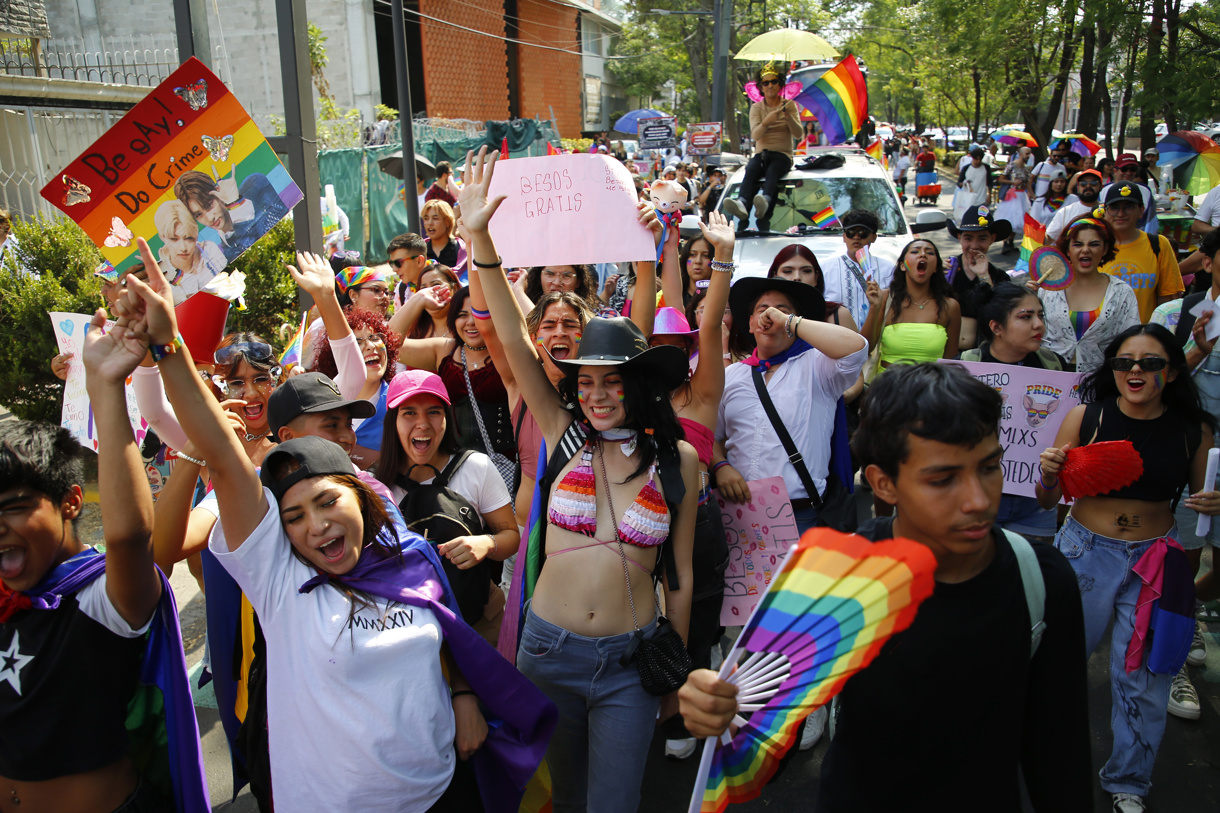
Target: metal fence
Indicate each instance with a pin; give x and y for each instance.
(127, 60)
(36, 143)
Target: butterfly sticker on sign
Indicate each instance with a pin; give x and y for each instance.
(200, 200)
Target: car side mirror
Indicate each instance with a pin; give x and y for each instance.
(929, 220)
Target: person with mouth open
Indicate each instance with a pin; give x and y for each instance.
(899, 321)
(624, 499)
(440, 233)
(1096, 307)
(348, 613)
(426, 312)
(1141, 392)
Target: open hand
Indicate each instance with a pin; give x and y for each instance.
(477, 209)
(1198, 332)
(226, 187)
(111, 356)
(719, 233)
(314, 276)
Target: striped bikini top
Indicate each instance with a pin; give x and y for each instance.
(574, 507)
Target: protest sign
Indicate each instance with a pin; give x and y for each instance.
(703, 138)
(1035, 403)
(77, 416)
(658, 132)
(187, 170)
(759, 534)
(567, 210)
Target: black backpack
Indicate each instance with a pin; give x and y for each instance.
(439, 514)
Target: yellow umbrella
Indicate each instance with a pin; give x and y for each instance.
(788, 44)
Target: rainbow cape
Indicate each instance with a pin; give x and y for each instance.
(839, 99)
(292, 353)
(1035, 236)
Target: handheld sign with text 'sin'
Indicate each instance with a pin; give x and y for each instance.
(187, 170)
(567, 210)
(1035, 403)
(759, 534)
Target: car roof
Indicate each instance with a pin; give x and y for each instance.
(856, 164)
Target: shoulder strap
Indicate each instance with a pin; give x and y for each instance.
(570, 442)
(794, 456)
(1186, 320)
(1050, 359)
(1035, 587)
(973, 354)
(1090, 422)
(455, 463)
(669, 471)
(1155, 241)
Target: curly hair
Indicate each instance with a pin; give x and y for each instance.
(1092, 224)
(938, 285)
(358, 318)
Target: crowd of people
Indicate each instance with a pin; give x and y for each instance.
(469, 458)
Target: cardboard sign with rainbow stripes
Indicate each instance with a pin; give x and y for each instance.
(187, 170)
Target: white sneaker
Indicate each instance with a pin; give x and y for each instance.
(1183, 699)
(1128, 803)
(1198, 648)
(733, 207)
(812, 730)
(761, 204)
(680, 749)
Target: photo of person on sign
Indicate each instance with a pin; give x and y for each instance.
(187, 262)
(239, 216)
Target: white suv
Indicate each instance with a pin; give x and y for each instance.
(859, 182)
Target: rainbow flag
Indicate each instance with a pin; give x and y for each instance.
(826, 219)
(1035, 236)
(839, 99)
(292, 353)
(504, 148)
(874, 150)
(550, 149)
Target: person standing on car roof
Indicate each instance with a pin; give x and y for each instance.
(774, 125)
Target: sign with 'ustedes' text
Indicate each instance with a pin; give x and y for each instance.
(567, 210)
(1035, 403)
(187, 170)
(759, 533)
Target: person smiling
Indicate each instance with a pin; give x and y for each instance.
(187, 262)
(1082, 319)
(238, 216)
(1142, 393)
(1146, 262)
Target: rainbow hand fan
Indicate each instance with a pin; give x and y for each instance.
(824, 617)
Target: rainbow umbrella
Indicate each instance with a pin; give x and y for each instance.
(1077, 143)
(1195, 159)
(835, 602)
(1014, 138)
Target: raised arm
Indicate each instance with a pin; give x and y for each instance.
(487, 329)
(878, 302)
(707, 381)
(132, 583)
(644, 298)
(671, 272)
(207, 427)
(536, 388)
(313, 275)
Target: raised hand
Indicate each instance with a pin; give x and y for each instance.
(111, 355)
(152, 302)
(477, 209)
(719, 233)
(873, 294)
(313, 275)
(226, 187)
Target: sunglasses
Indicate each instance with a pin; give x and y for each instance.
(1149, 364)
(257, 351)
(766, 82)
(857, 232)
(402, 260)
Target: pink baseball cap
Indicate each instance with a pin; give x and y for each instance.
(412, 383)
(671, 322)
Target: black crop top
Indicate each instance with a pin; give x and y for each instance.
(1167, 445)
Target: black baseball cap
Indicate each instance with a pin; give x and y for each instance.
(317, 457)
(1124, 191)
(310, 392)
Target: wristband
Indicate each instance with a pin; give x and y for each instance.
(478, 314)
(237, 204)
(460, 692)
(718, 466)
(1042, 482)
(478, 264)
(190, 459)
(724, 268)
(161, 351)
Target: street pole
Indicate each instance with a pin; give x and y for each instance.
(411, 197)
(300, 140)
(723, 11)
(191, 28)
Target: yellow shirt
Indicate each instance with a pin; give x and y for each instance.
(1150, 275)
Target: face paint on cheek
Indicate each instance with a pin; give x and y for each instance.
(581, 396)
(622, 396)
(1158, 380)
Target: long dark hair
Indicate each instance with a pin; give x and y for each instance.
(997, 304)
(455, 307)
(424, 324)
(938, 285)
(684, 252)
(649, 413)
(392, 452)
(586, 283)
(1179, 396)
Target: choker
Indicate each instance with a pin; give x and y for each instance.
(627, 436)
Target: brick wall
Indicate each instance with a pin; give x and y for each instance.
(550, 79)
(465, 74)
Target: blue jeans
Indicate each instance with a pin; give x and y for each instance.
(606, 719)
(1108, 590)
(805, 519)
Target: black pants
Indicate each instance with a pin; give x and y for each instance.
(462, 795)
(769, 167)
(145, 799)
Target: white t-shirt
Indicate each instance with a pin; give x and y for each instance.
(1071, 209)
(1209, 210)
(842, 286)
(94, 601)
(359, 716)
(1043, 173)
(477, 480)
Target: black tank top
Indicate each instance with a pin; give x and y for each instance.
(1167, 445)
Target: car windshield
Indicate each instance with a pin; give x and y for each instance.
(802, 200)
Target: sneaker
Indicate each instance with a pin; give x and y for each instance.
(1128, 803)
(761, 204)
(1198, 648)
(733, 207)
(1183, 700)
(680, 749)
(812, 730)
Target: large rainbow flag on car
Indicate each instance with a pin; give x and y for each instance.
(839, 99)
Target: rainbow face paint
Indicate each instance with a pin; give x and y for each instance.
(1158, 379)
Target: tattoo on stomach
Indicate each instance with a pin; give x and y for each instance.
(1127, 520)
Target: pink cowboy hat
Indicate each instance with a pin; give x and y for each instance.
(671, 322)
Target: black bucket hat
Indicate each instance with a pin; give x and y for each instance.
(317, 457)
(619, 342)
(981, 218)
(746, 291)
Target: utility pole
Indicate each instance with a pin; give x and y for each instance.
(723, 11)
(405, 117)
(191, 27)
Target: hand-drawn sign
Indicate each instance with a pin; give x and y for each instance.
(759, 534)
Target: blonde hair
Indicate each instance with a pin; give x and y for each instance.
(445, 211)
(169, 215)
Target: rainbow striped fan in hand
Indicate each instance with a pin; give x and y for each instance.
(1099, 468)
(824, 617)
(1050, 269)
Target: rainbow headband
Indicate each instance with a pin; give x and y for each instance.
(354, 277)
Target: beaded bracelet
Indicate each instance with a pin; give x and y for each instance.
(478, 264)
(190, 459)
(724, 268)
(161, 351)
(478, 314)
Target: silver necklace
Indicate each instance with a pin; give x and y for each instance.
(251, 438)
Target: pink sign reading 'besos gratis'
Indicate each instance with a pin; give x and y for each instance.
(567, 210)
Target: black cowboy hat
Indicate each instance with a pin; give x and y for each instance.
(982, 218)
(745, 292)
(619, 342)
